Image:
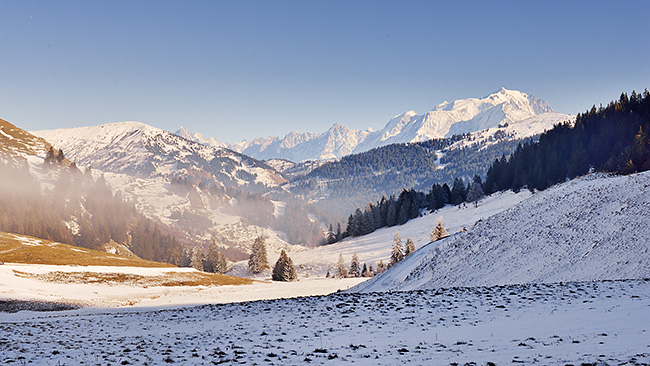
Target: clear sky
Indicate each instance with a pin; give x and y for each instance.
(238, 70)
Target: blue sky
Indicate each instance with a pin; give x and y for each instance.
(238, 70)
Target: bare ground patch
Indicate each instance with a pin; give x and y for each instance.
(168, 279)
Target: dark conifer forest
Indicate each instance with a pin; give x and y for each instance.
(610, 139)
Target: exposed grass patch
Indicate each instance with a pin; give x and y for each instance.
(24, 249)
(166, 279)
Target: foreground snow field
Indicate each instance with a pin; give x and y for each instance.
(580, 323)
(19, 282)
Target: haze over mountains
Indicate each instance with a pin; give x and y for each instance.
(501, 108)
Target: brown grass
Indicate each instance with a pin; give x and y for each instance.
(167, 279)
(13, 249)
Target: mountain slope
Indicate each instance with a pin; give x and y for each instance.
(16, 248)
(199, 192)
(138, 149)
(459, 117)
(592, 228)
(17, 144)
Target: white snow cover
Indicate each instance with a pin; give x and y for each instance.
(109, 295)
(461, 116)
(588, 323)
(592, 228)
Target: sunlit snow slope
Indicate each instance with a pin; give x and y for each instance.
(592, 228)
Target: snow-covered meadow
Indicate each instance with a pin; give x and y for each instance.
(26, 282)
(581, 323)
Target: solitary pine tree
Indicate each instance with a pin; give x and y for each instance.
(330, 236)
(339, 234)
(258, 261)
(438, 232)
(355, 267)
(341, 271)
(410, 247)
(396, 254)
(284, 269)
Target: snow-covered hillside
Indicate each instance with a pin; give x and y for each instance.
(461, 116)
(514, 130)
(591, 228)
(376, 246)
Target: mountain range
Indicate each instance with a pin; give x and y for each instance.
(138, 149)
(501, 108)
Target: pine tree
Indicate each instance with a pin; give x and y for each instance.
(355, 270)
(409, 248)
(438, 232)
(475, 191)
(381, 266)
(222, 263)
(257, 262)
(339, 234)
(50, 157)
(396, 254)
(284, 269)
(364, 270)
(215, 260)
(341, 271)
(197, 259)
(330, 236)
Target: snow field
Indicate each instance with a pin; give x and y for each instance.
(14, 286)
(536, 324)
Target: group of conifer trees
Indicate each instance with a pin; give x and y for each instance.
(408, 205)
(610, 139)
(283, 270)
(356, 270)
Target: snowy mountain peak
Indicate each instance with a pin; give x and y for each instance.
(462, 116)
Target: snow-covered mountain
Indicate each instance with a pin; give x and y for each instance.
(504, 107)
(138, 149)
(151, 167)
(198, 137)
(591, 228)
